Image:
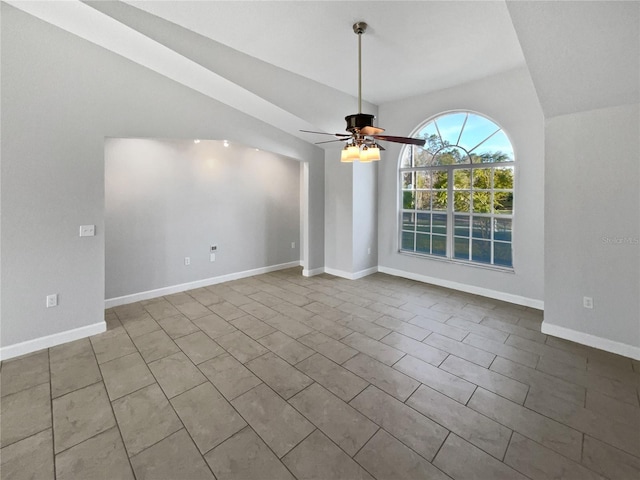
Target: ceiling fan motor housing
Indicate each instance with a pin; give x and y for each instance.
(358, 121)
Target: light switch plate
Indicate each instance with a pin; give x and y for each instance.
(87, 230)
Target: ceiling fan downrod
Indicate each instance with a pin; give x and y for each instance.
(359, 28)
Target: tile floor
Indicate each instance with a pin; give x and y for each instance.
(280, 377)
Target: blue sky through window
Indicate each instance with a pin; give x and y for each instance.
(469, 131)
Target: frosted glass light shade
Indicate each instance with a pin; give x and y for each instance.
(373, 153)
(353, 153)
(344, 156)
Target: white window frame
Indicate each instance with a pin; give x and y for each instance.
(450, 213)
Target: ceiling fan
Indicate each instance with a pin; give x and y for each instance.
(361, 141)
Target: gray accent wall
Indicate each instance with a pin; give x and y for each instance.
(61, 97)
(170, 199)
(509, 100)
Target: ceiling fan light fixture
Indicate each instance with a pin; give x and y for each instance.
(364, 155)
(344, 155)
(353, 153)
(373, 153)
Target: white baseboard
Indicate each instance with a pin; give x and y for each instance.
(591, 340)
(36, 344)
(484, 292)
(159, 292)
(312, 272)
(349, 275)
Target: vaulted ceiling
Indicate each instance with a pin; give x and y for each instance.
(293, 64)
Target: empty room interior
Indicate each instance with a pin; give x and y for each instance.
(320, 240)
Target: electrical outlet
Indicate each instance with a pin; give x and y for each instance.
(587, 302)
(87, 230)
(52, 300)
(187, 260)
(213, 248)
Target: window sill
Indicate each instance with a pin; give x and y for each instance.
(495, 268)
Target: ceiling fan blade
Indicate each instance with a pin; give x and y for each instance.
(407, 140)
(324, 133)
(330, 141)
(371, 130)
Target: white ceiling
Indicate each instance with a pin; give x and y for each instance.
(293, 64)
(410, 47)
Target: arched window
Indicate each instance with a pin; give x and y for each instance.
(457, 191)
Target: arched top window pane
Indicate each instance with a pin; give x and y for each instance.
(459, 138)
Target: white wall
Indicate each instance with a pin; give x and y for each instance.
(338, 218)
(592, 228)
(61, 96)
(365, 216)
(170, 199)
(510, 100)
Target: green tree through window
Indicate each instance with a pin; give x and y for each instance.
(457, 192)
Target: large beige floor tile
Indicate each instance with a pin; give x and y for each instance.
(245, 456)
(80, 415)
(514, 354)
(112, 344)
(623, 435)
(608, 460)
(214, 326)
(476, 464)
(102, 457)
(382, 376)
(229, 376)
(73, 366)
(539, 380)
(317, 458)
(327, 346)
(176, 374)
(451, 385)
(339, 421)
(279, 375)
(487, 379)
(155, 345)
(286, 347)
(538, 462)
(277, 422)
(481, 431)
(338, 380)
(174, 457)
(199, 347)
(145, 417)
(28, 459)
(241, 346)
(375, 349)
(126, 374)
(25, 413)
(253, 327)
(178, 325)
(388, 459)
(544, 430)
(208, 417)
(468, 352)
(405, 328)
(24, 372)
(416, 349)
(421, 434)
